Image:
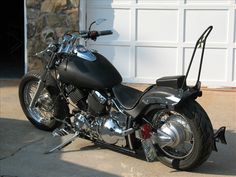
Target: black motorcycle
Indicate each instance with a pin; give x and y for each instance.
(81, 93)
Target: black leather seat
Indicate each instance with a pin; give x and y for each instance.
(127, 96)
(175, 82)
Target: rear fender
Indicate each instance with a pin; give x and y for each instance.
(163, 98)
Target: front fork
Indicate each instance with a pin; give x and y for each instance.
(40, 87)
(43, 79)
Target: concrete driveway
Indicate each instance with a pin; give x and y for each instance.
(22, 146)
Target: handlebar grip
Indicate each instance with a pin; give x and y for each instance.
(106, 32)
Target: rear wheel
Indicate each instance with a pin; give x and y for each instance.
(191, 135)
(48, 106)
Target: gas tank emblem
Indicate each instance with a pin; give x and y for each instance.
(84, 53)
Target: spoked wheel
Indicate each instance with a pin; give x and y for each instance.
(178, 129)
(184, 137)
(48, 106)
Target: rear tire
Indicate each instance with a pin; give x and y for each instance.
(39, 117)
(202, 131)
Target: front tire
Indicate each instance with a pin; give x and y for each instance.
(51, 105)
(199, 148)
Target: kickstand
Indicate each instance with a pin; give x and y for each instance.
(62, 145)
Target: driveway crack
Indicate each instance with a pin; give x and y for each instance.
(20, 148)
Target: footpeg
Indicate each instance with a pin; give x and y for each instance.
(61, 132)
(219, 136)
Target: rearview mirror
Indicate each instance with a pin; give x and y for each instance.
(100, 20)
(97, 22)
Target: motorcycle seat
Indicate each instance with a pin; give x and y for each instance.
(127, 96)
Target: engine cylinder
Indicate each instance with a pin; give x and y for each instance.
(96, 104)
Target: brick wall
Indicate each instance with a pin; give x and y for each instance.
(47, 20)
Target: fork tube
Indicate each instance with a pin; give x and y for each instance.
(40, 87)
(42, 81)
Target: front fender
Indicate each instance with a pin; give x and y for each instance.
(163, 98)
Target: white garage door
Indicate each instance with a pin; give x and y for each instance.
(155, 38)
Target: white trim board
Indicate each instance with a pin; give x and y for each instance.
(25, 39)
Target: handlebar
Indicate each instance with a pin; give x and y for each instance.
(86, 34)
(94, 34)
(106, 32)
(70, 38)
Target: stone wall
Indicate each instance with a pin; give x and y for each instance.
(48, 20)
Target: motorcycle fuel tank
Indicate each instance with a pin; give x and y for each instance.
(95, 74)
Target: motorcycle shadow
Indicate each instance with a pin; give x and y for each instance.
(22, 148)
(219, 163)
(90, 146)
(21, 141)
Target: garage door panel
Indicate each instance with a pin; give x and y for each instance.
(157, 1)
(235, 27)
(208, 1)
(155, 62)
(122, 1)
(214, 64)
(198, 20)
(157, 25)
(118, 20)
(119, 56)
(234, 65)
(92, 3)
(105, 3)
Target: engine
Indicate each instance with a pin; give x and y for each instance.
(77, 96)
(94, 102)
(96, 120)
(110, 129)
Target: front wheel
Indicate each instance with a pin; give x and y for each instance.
(184, 136)
(49, 104)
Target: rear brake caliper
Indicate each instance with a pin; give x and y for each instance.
(144, 134)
